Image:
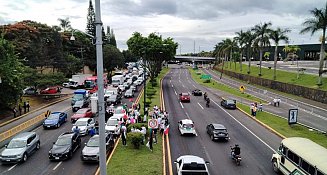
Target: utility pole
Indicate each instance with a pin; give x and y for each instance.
(99, 53)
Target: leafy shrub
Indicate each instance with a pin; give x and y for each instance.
(135, 138)
(206, 81)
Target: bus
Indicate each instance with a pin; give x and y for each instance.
(300, 156)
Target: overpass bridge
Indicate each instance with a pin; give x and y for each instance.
(194, 59)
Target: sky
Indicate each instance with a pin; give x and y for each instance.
(196, 25)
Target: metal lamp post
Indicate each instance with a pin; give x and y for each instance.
(99, 53)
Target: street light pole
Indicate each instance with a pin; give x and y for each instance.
(144, 89)
(99, 53)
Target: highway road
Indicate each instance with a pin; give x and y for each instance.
(257, 143)
(39, 164)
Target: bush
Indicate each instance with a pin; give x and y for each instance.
(206, 81)
(136, 126)
(135, 138)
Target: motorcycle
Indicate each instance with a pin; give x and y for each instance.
(236, 158)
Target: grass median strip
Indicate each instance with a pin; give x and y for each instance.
(127, 159)
(222, 87)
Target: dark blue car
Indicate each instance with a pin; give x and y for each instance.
(54, 120)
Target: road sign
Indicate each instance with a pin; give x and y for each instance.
(205, 76)
(153, 123)
(292, 116)
(242, 88)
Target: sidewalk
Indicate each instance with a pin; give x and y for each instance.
(309, 115)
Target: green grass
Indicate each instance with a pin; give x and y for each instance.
(222, 87)
(281, 126)
(306, 80)
(127, 160)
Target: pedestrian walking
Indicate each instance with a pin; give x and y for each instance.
(278, 101)
(96, 125)
(24, 106)
(92, 132)
(20, 109)
(14, 110)
(155, 131)
(275, 101)
(138, 106)
(251, 108)
(260, 106)
(28, 106)
(254, 110)
(123, 135)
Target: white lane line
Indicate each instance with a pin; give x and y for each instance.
(183, 85)
(200, 105)
(194, 85)
(172, 86)
(12, 167)
(246, 128)
(181, 104)
(187, 115)
(189, 92)
(57, 166)
(175, 92)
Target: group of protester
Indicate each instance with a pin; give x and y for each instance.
(254, 107)
(22, 105)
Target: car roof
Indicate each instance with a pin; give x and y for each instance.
(191, 158)
(67, 134)
(23, 135)
(83, 119)
(187, 121)
(218, 126)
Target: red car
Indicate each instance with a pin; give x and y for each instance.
(82, 113)
(184, 97)
(51, 90)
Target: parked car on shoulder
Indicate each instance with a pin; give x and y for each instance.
(217, 131)
(82, 113)
(186, 126)
(30, 91)
(184, 97)
(66, 144)
(228, 104)
(20, 147)
(51, 90)
(197, 92)
(55, 120)
(189, 164)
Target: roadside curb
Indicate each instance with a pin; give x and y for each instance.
(263, 124)
(42, 107)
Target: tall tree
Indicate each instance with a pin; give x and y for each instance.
(65, 24)
(90, 26)
(249, 37)
(318, 22)
(112, 38)
(262, 39)
(277, 36)
(240, 38)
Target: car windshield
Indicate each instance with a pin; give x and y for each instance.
(188, 126)
(78, 102)
(81, 111)
(193, 166)
(220, 130)
(112, 122)
(230, 102)
(78, 97)
(63, 141)
(53, 117)
(16, 144)
(93, 142)
(80, 123)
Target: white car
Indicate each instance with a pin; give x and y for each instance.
(112, 126)
(121, 87)
(186, 126)
(84, 125)
(189, 164)
(119, 112)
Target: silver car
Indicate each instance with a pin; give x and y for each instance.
(91, 150)
(20, 147)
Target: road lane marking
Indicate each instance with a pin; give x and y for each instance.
(194, 85)
(200, 105)
(187, 115)
(181, 104)
(189, 92)
(175, 92)
(183, 85)
(12, 167)
(172, 86)
(245, 128)
(57, 166)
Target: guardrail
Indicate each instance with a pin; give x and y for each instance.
(13, 131)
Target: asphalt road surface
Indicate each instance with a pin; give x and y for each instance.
(39, 164)
(257, 143)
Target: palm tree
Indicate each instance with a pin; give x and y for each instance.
(64, 23)
(240, 38)
(277, 36)
(248, 41)
(314, 24)
(262, 38)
